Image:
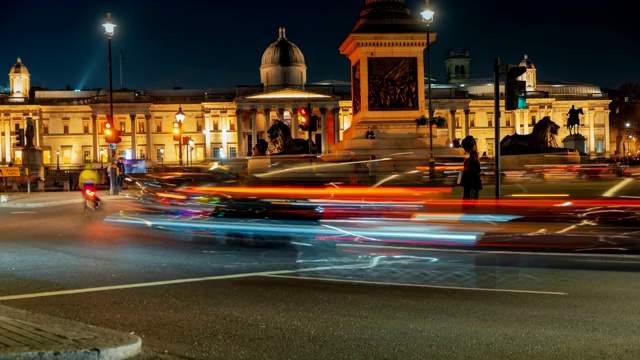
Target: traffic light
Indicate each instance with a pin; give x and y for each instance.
(513, 87)
(303, 117)
(177, 131)
(20, 138)
(313, 124)
(109, 132)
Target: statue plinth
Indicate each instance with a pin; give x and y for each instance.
(576, 142)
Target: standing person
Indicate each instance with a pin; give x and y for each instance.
(373, 169)
(120, 173)
(471, 182)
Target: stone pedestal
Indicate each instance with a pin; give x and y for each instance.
(576, 142)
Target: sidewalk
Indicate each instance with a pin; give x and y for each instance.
(53, 198)
(25, 335)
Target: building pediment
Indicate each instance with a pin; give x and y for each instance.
(287, 94)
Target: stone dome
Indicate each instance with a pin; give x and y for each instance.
(282, 53)
(19, 69)
(527, 63)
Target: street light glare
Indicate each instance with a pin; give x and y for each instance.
(180, 115)
(109, 26)
(427, 16)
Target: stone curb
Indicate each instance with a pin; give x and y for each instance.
(36, 336)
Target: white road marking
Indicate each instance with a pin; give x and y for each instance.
(611, 192)
(23, 212)
(483, 252)
(169, 282)
(421, 285)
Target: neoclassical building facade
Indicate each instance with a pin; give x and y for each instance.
(225, 122)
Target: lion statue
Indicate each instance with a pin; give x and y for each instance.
(541, 140)
(281, 142)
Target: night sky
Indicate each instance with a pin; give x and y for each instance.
(215, 43)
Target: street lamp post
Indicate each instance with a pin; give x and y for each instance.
(109, 27)
(180, 118)
(427, 18)
(57, 159)
(628, 152)
(101, 155)
(162, 156)
(191, 144)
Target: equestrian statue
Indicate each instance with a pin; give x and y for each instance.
(574, 119)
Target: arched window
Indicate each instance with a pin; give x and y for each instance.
(462, 71)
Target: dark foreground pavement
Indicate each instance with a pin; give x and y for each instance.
(25, 335)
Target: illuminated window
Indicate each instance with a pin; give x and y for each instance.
(216, 152)
(490, 120)
(216, 124)
(490, 147)
(86, 154)
(45, 127)
(233, 152)
(123, 126)
(508, 120)
(472, 121)
(141, 127)
(85, 127)
(17, 156)
(159, 126)
(232, 124)
(199, 126)
(66, 156)
(46, 157)
(65, 127)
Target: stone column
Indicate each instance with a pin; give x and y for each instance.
(224, 126)
(592, 130)
(242, 152)
(294, 122)
(267, 121)
(94, 138)
(147, 124)
(607, 136)
(2, 137)
(323, 129)
(516, 119)
(134, 136)
(452, 125)
(254, 127)
(281, 114)
(207, 132)
(7, 139)
(525, 116)
(465, 129)
(336, 124)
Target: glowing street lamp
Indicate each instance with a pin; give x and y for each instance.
(180, 118)
(427, 18)
(101, 155)
(162, 155)
(57, 159)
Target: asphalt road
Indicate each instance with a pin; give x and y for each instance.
(191, 297)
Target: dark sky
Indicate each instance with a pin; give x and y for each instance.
(197, 44)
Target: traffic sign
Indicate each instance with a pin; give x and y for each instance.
(9, 171)
(112, 146)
